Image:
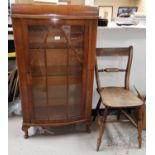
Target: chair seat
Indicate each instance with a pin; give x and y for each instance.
(119, 97)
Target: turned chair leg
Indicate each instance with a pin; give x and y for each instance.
(140, 126)
(97, 108)
(25, 129)
(101, 129)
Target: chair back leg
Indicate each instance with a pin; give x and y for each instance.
(118, 114)
(140, 126)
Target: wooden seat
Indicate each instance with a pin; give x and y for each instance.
(118, 98)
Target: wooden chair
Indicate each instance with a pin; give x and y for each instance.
(120, 98)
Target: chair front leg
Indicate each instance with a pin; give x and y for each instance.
(140, 126)
(97, 109)
(102, 128)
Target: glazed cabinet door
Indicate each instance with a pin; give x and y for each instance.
(57, 72)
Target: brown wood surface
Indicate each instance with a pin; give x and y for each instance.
(55, 63)
(119, 97)
(144, 117)
(41, 11)
(111, 70)
(112, 51)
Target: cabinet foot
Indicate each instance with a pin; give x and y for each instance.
(25, 129)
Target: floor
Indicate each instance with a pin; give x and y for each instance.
(119, 139)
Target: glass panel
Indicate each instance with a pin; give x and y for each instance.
(75, 72)
(37, 67)
(38, 72)
(56, 63)
(57, 57)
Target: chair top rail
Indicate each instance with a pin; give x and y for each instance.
(113, 51)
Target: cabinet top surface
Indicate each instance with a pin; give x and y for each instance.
(50, 11)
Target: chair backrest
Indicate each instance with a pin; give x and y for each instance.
(127, 51)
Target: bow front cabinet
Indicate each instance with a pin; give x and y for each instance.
(55, 49)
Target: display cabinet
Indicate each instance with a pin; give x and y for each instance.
(55, 48)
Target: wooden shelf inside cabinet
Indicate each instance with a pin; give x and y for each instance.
(57, 80)
(70, 70)
(74, 44)
(55, 48)
(57, 112)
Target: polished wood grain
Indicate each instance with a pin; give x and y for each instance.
(41, 11)
(114, 97)
(56, 60)
(117, 97)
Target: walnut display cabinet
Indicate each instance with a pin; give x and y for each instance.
(55, 49)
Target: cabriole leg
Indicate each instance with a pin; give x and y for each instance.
(25, 129)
